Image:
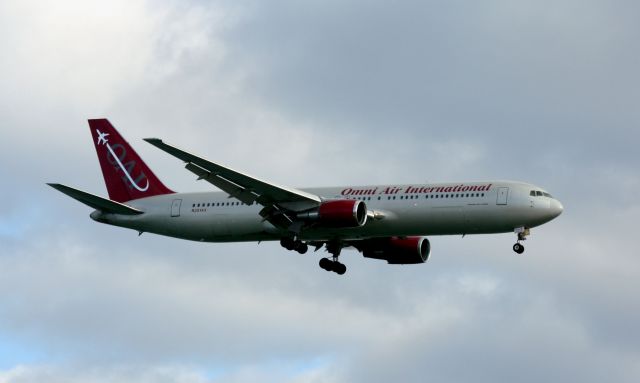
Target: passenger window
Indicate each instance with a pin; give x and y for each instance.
(539, 193)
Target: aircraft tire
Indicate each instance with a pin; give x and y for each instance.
(518, 248)
(287, 243)
(339, 268)
(302, 248)
(326, 264)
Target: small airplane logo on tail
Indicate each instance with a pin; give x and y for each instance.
(102, 137)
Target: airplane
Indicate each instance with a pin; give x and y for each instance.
(386, 222)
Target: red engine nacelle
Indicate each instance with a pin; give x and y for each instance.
(339, 213)
(395, 250)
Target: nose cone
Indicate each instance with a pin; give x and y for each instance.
(555, 208)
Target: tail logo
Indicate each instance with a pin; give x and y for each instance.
(102, 140)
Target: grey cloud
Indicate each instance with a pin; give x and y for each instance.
(539, 76)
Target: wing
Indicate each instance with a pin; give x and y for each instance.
(277, 200)
(99, 203)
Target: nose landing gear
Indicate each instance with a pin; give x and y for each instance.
(522, 233)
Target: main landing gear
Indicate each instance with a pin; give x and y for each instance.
(329, 264)
(522, 233)
(332, 264)
(335, 266)
(294, 244)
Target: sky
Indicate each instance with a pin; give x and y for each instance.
(322, 93)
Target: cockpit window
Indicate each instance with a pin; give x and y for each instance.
(538, 193)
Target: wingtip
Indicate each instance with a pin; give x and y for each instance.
(152, 140)
(58, 187)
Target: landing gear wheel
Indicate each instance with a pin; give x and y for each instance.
(332, 264)
(522, 232)
(294, 244)
(287, 243)
(518, 248)
(302, 248)
(335, 266)
(326, 264)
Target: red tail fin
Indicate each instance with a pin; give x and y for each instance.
(126, 175)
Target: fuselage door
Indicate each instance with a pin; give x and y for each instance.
(503, 194)
(175, 207)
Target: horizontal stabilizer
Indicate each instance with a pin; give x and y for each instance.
(99, 203)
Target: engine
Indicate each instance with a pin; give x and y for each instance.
(338, 213)
(394, 250)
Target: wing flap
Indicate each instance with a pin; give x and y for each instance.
(96, 202)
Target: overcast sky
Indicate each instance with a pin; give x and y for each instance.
(321, 93)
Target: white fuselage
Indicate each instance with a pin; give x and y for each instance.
(395, 210)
